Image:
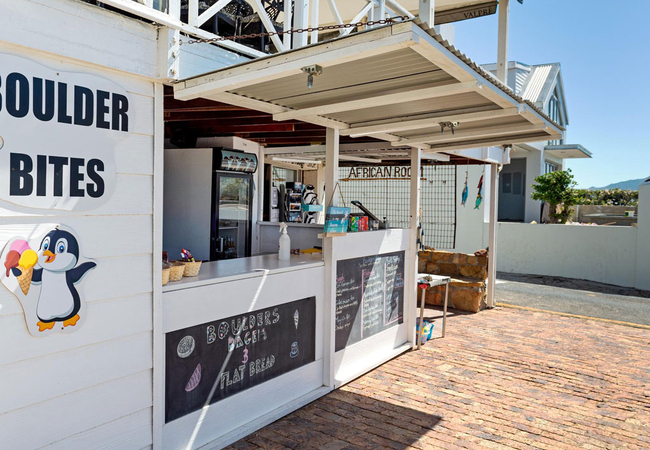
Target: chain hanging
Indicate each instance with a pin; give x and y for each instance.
(370, 23)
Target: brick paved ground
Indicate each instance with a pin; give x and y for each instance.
(500, 379)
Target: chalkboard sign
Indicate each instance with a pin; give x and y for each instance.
(369, 296)
(209, 362)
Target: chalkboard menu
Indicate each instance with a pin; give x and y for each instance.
(369, 296)
(209, 362)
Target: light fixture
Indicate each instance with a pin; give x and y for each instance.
(450, 125)
(312, 71)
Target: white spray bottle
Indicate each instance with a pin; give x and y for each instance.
(285, 243)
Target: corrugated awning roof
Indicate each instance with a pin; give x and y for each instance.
(397, 83)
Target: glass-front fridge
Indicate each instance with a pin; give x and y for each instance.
(232, 215)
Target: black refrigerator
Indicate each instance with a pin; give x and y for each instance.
(208, 203)
(231, 217)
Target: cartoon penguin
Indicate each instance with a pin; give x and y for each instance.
(59, 300)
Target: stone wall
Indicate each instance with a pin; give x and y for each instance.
(468, 274)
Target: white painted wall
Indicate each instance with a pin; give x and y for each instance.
(303, 236)
(470, 222)
(643, 239)
(603, 254)
(94, 386)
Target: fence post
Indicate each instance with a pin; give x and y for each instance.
(643, 238)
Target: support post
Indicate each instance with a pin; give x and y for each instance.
(502, 52)
(427, 12)
(169, 47)
(157, 325)
(329, 255)
(314, 5)
(301, 21)
(492, 257)
(261, 193)
(288, 18)
(412, 271)
(379, 11)
(193, 12)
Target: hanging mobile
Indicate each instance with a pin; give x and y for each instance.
(465, 189)
(479, 196)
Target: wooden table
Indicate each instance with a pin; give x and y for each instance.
(433, 280)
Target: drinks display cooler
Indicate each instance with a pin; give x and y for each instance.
(210, 192)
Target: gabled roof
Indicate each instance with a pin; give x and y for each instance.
(536, 83)
(540, 82)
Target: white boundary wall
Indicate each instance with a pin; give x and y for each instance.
(603, 254)
(608, 254)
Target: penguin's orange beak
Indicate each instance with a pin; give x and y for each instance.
(50, 256)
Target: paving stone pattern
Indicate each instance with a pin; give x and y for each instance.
(501, 379)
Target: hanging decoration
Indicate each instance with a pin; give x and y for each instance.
(479, 195)
(465, 189)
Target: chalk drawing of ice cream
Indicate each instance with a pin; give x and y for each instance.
(185, 347)
(294, 350)
(296, 316)
(195, 379)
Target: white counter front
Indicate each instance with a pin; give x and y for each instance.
(246, 338)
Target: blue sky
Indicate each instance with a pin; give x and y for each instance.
(603, 47)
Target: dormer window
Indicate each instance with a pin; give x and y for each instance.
(554, 111)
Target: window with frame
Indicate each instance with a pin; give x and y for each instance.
(555, 114)
(550, 167)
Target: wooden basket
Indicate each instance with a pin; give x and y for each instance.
(192, 268)
(176, 271)
(165, 276)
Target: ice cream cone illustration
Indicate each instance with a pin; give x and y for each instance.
(23, 259)
(25, 279)
(26, 264)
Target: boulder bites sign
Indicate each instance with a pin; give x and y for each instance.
(58, 132)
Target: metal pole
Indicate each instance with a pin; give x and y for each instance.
(420, 326)
(502, 53)
(329, 257)
(492, 256)
(427, 12)
(414, 212)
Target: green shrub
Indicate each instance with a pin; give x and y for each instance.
(610, 197)
(556, 188)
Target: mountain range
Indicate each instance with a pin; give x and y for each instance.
(629, 184)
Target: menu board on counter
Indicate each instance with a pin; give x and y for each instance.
(212, 361)
(369, 296)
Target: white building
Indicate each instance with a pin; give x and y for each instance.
(542, 86)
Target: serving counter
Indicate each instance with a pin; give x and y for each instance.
(243, 346)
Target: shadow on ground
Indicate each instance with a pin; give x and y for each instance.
(570, 283)
(344, 420)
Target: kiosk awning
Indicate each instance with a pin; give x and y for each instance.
(398, 83)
